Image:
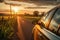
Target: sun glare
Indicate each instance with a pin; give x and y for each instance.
(15, 9)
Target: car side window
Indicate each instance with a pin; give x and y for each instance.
(49, 14)
(48, 17)
(55, 22)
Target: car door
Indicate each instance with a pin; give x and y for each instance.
(53, 30)
(55, 23)
(47, 18)
(45, 21)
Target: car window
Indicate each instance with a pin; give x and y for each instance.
(55, 22)
(48, 17)
(50, 13)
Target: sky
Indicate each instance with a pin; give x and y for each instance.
(36, 0)
(5, 7)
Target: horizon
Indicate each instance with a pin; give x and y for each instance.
(41, 8)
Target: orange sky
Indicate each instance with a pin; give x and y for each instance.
(6, 9)
(21, 11)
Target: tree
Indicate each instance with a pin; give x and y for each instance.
(35, 13)
(26, 14)
(42, 14)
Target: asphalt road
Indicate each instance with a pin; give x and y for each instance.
(24, 29)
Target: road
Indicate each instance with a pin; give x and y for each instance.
(24, 29)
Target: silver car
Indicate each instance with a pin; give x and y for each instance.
(48, 27)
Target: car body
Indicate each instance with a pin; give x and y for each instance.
(48, 27)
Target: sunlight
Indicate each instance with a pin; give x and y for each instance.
(15, 9)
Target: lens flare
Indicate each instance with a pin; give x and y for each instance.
(15, 9)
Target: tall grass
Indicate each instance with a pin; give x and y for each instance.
(6, 28)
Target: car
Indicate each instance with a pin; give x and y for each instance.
(48, 27)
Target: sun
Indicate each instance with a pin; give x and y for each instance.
(15, 9)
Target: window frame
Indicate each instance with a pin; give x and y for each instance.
(55, 9)
(50, 24)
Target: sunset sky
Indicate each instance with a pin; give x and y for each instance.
(22, 8)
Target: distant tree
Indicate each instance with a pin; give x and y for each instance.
(27, 14)
(1, 0)
(42, 14)
(35, 13)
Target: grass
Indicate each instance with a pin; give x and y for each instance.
(32, 19)
(6, 27)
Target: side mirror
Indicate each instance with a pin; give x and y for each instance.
(41, 24)
(35, 21)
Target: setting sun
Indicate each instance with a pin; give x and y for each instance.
(15, 9)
